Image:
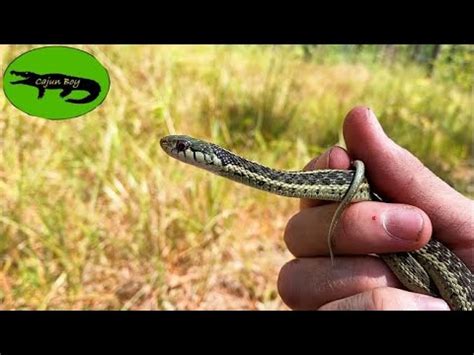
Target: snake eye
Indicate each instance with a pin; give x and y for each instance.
(181, 146)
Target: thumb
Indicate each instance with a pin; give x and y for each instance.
(399, 176)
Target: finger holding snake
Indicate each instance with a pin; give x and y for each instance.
(362, 230)
(354, 281)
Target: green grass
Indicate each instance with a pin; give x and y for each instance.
(94, 215)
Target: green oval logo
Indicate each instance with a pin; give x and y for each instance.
(56, 82)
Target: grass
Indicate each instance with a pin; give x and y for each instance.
(96, 216)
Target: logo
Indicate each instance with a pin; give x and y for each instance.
(56, 82)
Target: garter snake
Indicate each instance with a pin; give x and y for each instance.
(432, 270)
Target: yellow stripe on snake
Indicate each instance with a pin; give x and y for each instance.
(433, 270)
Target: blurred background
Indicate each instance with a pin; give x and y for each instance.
(94, 215)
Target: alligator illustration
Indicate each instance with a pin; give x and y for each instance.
(59, 81)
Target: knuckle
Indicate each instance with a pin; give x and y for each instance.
(349, 220)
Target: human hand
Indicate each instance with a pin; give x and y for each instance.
(421, 205)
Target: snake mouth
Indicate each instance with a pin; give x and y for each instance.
(164, 143)
(174, 145)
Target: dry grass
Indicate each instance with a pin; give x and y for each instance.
(96, 216)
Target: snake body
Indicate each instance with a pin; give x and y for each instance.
(433, 270)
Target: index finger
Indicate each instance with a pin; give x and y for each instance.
(334, 158)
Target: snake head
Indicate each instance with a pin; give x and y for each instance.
(191, 150)
(175, 144)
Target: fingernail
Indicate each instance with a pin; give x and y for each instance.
(403, 223)
(427, 303)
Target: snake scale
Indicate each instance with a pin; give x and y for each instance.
(433, 270)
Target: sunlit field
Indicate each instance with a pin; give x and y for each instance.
(94, 215)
